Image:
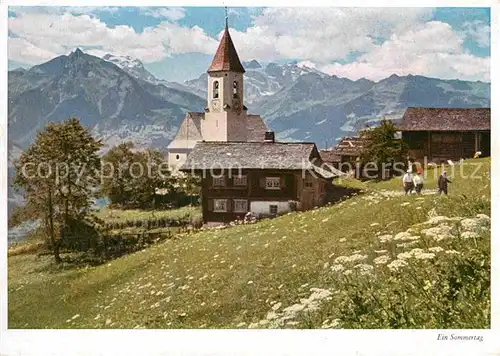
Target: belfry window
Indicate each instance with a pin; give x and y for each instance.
(235, 89)
(216, 89)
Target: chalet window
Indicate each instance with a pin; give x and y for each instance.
(308, 182)
(240, 206)
(216, 89)
(273, 209)
(273, 183)
(240, 181)
(235, 89)
(220, 205)
(219, 181)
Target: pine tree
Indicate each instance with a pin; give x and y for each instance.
(59, 174)
(381, 147)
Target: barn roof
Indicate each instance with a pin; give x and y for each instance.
(329, 156)
(255, 155)
(441, 119)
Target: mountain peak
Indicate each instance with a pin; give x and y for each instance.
(77, 53)
(253, 64)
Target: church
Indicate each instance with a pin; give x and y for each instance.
(226, 118)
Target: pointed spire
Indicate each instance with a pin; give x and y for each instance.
(226, 18)
(226, 58)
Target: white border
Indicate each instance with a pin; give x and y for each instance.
(248, 342)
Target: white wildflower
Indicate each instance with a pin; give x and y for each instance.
(276, 306)
(436, 249)
(380, 251)
(452, 252)
(343, 239)
(75, 316)
(337, 268)
(364, 268)
(381, 260)
(405, 204)
(374, 224)
(397, 264)
(250, 282)
(425, 256)
(469, 234)
(385, 238)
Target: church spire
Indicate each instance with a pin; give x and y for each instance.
(225, 7)
(226, 58)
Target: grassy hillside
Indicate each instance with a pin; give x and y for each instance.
(367, 262)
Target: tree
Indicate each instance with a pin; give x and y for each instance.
(381, 147)
(117, 181)
(59, 174)
(131, 177)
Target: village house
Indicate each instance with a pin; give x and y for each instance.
(226, 118)
(345, 155)
(265, 178)
(439, 135)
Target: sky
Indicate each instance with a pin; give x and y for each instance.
(178, 43)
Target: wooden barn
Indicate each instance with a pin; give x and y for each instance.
(265, 178)
(446, 134)
(345, 155)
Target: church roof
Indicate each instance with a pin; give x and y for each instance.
(256, 128)
(226, 58)
(189, 132)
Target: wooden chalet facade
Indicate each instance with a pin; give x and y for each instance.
(345, 155)
(438, 135)
(264, 178)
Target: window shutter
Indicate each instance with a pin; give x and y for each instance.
(228, 204)
(263, 182)
(210, 205)
(282, 182)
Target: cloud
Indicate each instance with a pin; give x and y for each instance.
(432, 49)
(60, 34)
(375, 42)
(323, 34)
(478, 31)
(59, 10)
(170, 13)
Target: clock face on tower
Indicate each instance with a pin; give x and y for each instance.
(215, 105)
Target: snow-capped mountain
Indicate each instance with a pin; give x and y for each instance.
(135, 68)
(121, 100)
(114, 104)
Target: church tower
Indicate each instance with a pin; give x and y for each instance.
(225, 115)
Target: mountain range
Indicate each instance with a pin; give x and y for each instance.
(119, 99)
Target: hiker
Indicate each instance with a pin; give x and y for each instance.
(408, 182)
(418, 182)
(443, 183)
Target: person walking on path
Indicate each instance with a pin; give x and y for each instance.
(443, 183)
(408, 182)
(418, 182)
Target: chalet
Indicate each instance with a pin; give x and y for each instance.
(265, 178)
(345, 155)
(438, 135)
